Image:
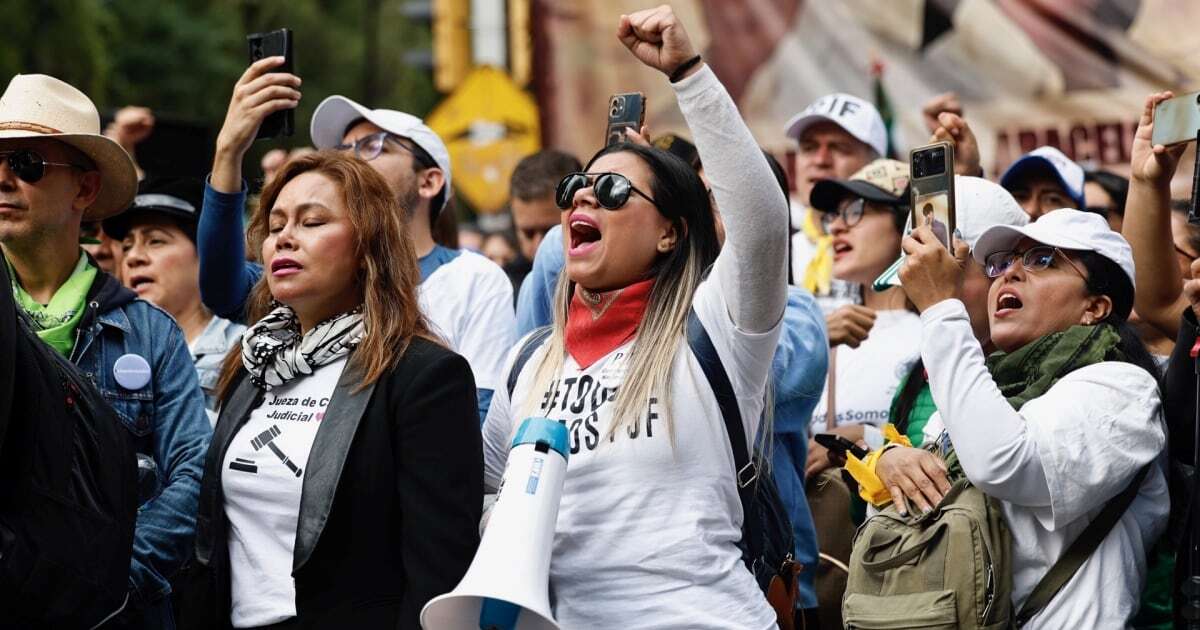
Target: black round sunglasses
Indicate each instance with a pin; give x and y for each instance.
(612, 190)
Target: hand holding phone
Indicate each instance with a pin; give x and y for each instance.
(259, 92)
(276, 43)
(625, 111)
(932, 190)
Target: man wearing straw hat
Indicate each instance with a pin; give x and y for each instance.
(56, 170)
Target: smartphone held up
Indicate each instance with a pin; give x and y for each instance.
(625, 111)
(276, 43)
(932, 190)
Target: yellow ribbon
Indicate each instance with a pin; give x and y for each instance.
(818, 275)
(870, 488)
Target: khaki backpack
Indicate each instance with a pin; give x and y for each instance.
(952, 568)
(946, 569)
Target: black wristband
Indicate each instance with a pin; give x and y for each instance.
(678, 73)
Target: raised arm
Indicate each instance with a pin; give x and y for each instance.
(1159, 297)
(225, 276)
(752, 267)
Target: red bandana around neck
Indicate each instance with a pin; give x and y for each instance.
(598, 323)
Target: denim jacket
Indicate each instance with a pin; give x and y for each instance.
(208, 353)
(166, 418)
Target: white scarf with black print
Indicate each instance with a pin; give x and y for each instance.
(274, 351)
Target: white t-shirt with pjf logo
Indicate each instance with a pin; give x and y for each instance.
(262, 477)
(648, 525)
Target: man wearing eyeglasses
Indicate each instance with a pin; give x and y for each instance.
(467, 298)
(1044, 180)
(56, 171)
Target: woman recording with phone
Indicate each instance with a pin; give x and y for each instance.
(1063, 419)
(650, 520)
(343, 487)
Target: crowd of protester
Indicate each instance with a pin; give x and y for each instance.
(319, 386)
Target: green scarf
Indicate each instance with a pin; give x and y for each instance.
(1031, 371)
(55, 322)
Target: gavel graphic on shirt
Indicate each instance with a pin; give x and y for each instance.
(267, 439)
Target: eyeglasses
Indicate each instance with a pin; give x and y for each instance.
(29, 166)
(1033, 259)
(851, 213)
(612, 190)
(368, 148)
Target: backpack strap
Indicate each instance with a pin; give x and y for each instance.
(532, 343)
(744, 470)
(1080, 550)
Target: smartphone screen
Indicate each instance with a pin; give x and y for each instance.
(932, 186)
(274, 44)
(625, 111)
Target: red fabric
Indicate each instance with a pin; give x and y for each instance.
(598, 326)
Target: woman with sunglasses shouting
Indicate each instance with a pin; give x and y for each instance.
(648, 528)
(1064, 419)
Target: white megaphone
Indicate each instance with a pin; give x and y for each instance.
(508, 584)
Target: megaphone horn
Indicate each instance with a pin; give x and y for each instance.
(507, 586)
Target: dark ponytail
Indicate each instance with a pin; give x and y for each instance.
(1105, 277)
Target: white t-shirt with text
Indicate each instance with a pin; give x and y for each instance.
(262, 478)
(867, 376)
(647, 527)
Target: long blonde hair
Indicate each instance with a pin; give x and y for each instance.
(680, 197)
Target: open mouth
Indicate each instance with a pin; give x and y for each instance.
(1007, 302)
(137, 282)
(585, 233)
(840, 248)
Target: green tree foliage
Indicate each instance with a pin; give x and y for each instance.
(181, 58)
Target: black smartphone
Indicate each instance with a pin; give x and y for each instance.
(932, 185)
(274, 44)
(840, 445)
(625, 111)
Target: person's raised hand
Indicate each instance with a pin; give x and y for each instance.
(953, 128)
(929, 273)
(849, 325)
(657, 38)
(1150, 163)
(913, 474)
(642, 137)
(946, 102)
(130, 126)
(259, 93)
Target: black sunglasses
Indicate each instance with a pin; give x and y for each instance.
(612, 190)
(29, 166)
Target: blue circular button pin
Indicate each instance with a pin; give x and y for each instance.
(132, 371)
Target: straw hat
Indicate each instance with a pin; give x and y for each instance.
(40, 106)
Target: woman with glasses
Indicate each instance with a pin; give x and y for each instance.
(650, 519)
(1059, 421)
(873, 343)
(343, 488)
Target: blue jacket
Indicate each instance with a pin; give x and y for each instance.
(166, 418)
(797, 375)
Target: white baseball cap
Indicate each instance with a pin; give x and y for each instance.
(1068, 173)
(856, 116)
(1064, 228)
(979, 205)
(334, 115)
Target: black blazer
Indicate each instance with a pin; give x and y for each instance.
(391, 502)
